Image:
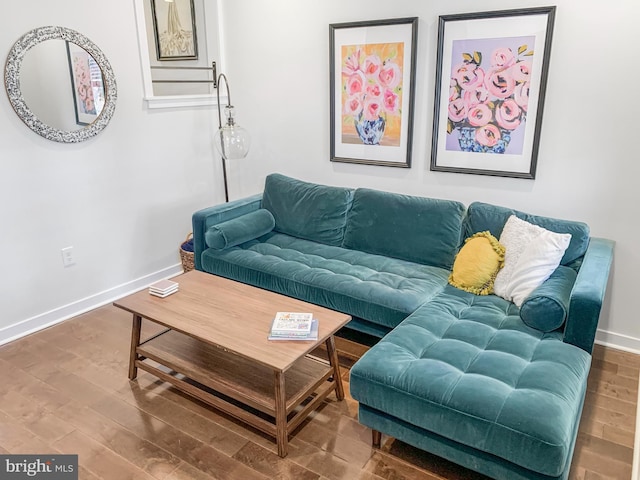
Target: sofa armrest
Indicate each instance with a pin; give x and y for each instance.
(203, 219)
(588, 294)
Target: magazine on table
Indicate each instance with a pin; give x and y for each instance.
(312, 335)
(291, 324)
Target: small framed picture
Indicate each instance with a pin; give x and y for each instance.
(372, 91)
(491, 79)
(174, 26)
(87, 84)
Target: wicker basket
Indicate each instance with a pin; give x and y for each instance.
(187, 257)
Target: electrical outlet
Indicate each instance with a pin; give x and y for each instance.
(67, 257)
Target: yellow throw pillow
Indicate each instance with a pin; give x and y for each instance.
(477, 264)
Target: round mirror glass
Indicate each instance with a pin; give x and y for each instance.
(60, 84)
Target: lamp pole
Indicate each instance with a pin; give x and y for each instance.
(221, 132)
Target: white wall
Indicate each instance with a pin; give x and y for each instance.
(588, 162)
(124, 199)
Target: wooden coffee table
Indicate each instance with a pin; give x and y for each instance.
(215, 348)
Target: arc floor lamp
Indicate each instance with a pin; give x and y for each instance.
(231, 140)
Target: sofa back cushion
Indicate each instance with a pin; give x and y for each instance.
(483, 216)
(417, 229)
(307, 210)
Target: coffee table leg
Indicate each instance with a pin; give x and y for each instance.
(281, 415)
(135, 341)
(333, 360)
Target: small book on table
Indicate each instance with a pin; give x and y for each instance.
(163, 288)
(294, 326)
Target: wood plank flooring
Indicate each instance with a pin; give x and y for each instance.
(65, 390)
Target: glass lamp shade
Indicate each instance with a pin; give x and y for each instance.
(232, 141)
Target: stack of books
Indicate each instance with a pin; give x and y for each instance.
(294, 326)
(163, 288)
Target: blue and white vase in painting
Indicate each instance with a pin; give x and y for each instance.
(370, 131)
(468, 142)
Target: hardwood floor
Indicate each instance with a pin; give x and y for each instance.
(65, 390)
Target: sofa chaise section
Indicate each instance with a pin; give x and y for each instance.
(465, 378)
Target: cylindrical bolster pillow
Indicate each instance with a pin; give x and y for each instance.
(239, 230)
(546, 308)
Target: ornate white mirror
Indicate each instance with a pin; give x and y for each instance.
(60, 84)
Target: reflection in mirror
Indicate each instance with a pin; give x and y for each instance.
(60, 84)
(87, 84)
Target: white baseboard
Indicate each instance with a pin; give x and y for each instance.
(60, 314)
(618, 341)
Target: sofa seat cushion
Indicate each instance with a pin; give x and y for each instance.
(468, 369)
(376, 288)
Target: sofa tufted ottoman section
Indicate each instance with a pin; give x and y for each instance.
(467, 368)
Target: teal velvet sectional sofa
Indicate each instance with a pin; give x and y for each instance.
(475, 379)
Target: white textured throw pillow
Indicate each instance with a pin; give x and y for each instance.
(532, 254)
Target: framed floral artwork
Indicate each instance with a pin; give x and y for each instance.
(491, 79)
(174, 28)
(87, 84)
(372, 84)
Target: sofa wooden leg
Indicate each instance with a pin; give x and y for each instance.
(376, 438)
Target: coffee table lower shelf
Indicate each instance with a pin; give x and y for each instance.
(246, 390)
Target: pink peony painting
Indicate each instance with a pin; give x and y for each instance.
(489, 89)
(372, 87)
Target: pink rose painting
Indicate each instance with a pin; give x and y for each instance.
(372, 82)
(87, 83)
(489, 94)
(82, 77)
